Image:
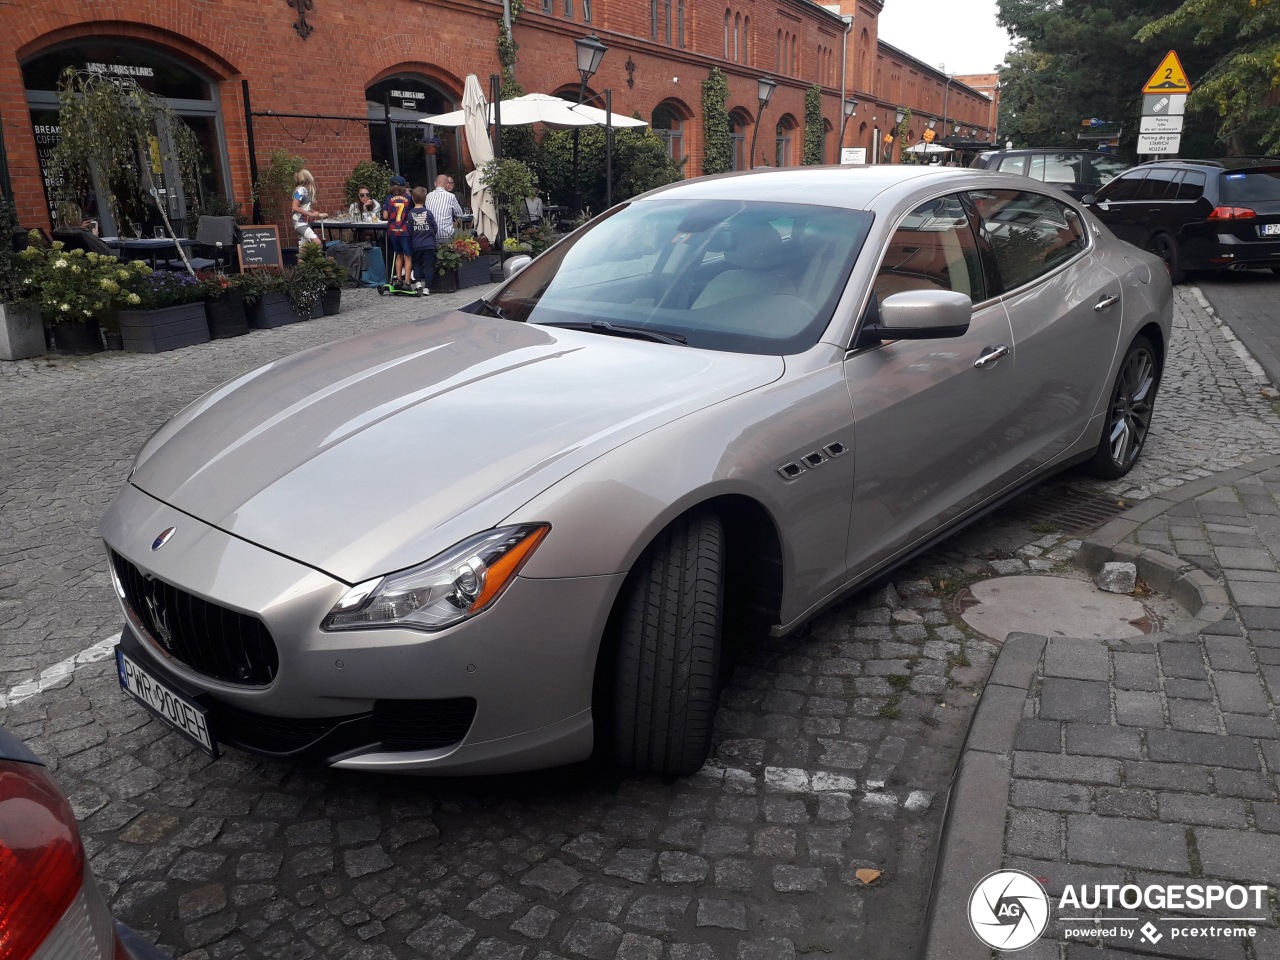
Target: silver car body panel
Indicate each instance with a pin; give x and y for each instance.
(370, 455)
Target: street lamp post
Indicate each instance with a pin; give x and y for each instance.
(764, 90)
(946, 99)
(850, 108)
(899, 115)
(590, 52)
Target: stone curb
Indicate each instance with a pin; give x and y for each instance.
(972, 841)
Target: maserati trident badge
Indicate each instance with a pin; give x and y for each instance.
(162, 539)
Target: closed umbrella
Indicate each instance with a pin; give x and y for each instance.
(539, 108)
(476, 128)
(923, 147)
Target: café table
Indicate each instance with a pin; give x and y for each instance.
(148, 248)
(376, 227)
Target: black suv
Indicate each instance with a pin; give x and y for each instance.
(1198, 214)
(1078, 172)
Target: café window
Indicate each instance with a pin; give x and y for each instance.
(186, 91)
(405, 99)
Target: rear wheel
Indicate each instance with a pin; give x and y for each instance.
(666, 679)
(1129, 416)
(1166, 248)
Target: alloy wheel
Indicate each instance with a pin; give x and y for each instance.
(1131, 407)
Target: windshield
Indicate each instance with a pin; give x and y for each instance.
(1255, 186)
(740, 276)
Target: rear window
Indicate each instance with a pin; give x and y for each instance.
(1252, 186)
(1157, 183)
(1191, 186)
(1103, 170)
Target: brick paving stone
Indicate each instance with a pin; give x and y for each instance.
(1195, 809)
(1166, 776)
(1041, 736)
(1124, 803)
(1127, 843)
(1100, 740)
(1238, 854)
(1197, 716)
(1135, 671)
(1241, 692)
(1034, 833)
(1074, 700)
(1076, 659)
(1046, 766)
(1225, 751)
(1047, 795)
(1138, 709)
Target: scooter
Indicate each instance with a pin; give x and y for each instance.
(393, 287)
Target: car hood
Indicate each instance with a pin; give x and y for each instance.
(372, 454)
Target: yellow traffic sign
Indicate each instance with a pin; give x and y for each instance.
(1169, 77)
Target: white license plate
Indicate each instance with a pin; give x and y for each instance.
(1269, 229)
(189, 719)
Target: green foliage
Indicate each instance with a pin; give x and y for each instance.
(641, 161)
(1240, 87)
(507, 49)
(275, 184)
(813, 126)
(254, 284)
(77, 286)
(717, 155)
(512, 182)
(108, 128)
(161, 288)
(903, 129)
(314, 273)
(13, 269)
(367, 173)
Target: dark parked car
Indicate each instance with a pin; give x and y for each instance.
(50, 904)
(1198, 214)
(1078, 172)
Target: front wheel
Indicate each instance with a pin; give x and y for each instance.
(666, 681)
(1129, 416)
(1166, 248)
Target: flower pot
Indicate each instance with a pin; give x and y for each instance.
(21, 331)
(473, 273)
(226, 316)
(77, 338)
(446, 282)
(165, 328)
(331, 300)
(273, 309)
(113, 341)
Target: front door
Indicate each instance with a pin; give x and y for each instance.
(930, 415)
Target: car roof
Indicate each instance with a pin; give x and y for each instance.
(1013, 151)
(1223, 163)
(849, 186)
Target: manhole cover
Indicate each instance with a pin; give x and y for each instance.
(1053, 607)
(1072, 511)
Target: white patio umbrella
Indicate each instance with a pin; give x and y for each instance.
(923, 147)
(541, 108)
(476, 129)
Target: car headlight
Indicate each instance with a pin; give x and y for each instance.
(445, 590)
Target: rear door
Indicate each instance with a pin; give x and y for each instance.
(1117, 206)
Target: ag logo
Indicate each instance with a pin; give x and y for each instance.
(1008, 910)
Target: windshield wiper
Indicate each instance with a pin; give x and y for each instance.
(620, 330)
(492, 309)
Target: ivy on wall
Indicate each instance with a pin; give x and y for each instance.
(717, 156)
(813, 134)
(507, 48)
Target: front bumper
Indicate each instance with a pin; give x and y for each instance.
(525, 666)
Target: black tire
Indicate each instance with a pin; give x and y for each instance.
(1133, 398)
(1166, 248)
(666, 680)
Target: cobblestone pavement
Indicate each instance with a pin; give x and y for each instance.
(1156, 763)
(834, 752)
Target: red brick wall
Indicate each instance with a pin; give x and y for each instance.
(355, 43)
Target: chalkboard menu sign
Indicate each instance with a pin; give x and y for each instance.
(259, 247)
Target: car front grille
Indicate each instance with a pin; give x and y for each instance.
(422, 724)
(212, 640)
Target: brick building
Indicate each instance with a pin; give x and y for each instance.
(337, 83)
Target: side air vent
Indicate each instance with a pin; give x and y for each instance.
(834, 449)
(813, 459)
(789, 471)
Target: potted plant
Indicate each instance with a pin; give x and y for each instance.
(168, 312)
(472, 270)
(266, 298)
(316, 283)
(223, 307)
(21, 329)
(76, 289)
(447, 261)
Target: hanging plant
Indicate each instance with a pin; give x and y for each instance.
(110, 128)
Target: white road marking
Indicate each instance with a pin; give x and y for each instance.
(52, 676)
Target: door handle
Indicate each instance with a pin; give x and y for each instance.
(990, 356)
(1106, 301)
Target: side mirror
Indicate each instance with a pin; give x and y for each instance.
(919, 315)
(1089, 199)
(513, 265)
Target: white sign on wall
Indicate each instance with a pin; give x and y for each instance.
(854, 155)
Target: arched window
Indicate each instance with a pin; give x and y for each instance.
(666, 18)
(795, 60)
(728, 26)
(668, 123)
(737, 36)
(653, 19)
(738, 123)
(778, 54)
(746, 39)
(680, 22)
(784, 155)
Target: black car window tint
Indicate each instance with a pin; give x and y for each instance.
(1014, 165)
(1124, 187)
(1191, 186)
(1255, 186)
(932, 249)
(1029, 233)
(1102, 170)
(1156, 184)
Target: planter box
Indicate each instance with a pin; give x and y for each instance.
(21, 331)
(331, 301)
(226, 316)
(273, 309)
(168, 328)
(446, 282)
(473, 273)
(77, 338)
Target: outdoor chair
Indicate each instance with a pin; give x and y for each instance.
(216, 238)
(78, 238)
(532, 212)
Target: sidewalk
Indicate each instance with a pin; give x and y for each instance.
(1146, 762)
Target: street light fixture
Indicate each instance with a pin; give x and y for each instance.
(764, 91)
(590, 52)
(899, 115)
(850, 108)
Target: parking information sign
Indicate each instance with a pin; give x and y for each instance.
(1164, 103)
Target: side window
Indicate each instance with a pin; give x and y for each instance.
(1016, 165)
(933, 249)
(1035, 169)
(1102, 170)
(1062, 168)
(1156, 185)
(1029, 233)
(1123, 188)
(1192, 185)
